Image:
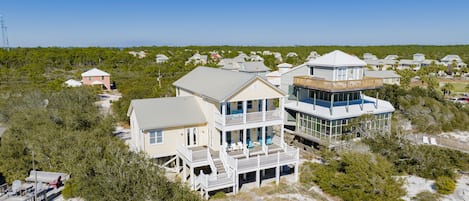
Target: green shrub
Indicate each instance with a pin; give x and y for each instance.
(426, 196)
(219, 195)
(445, 185)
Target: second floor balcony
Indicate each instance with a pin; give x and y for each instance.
(337, 86)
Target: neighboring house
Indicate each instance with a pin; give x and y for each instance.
(72, 83)
(197, 59)
(140, 55)
(452, 59)
(326, 94)
(161, 58)
(312, 55)
(215, 56)
(225, 123)
(369, 56)
(381, 64)
(292, 54)
(417, 62)
(278, 56)
(239, 64)
(388, 76)
(266, 52)
(391, 57)
(275, 77)
(256, 58)
(96, 77)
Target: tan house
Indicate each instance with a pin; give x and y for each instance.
(221, 125)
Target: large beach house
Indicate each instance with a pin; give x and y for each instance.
(221, 128)
(326, 94)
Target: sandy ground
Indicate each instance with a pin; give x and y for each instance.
(462, 136)
(415, 185)
(106, 100)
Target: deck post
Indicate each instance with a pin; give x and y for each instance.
(348, 102)
(314, 101)
(376, 104)
(277, 169)
(332, 103)
(245, 143)
(206, 194)
(184, 173)
(223, 136)
(263, 136)
(263, 109)
(192, 175)
(245, 106)
(282, 137)
(177, 163)
(263, 173)
(258, 174)
(363, 101)
(223, 113)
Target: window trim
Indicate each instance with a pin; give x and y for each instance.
(155, 132)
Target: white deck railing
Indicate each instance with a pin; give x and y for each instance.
(210, 162)
(251, 117)
(184, 151)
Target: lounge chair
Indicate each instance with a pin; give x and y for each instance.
(250, 144)
(268, 140)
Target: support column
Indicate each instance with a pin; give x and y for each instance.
(258, 174)
(177, 163)
(223, 136)
(245, 142)
(263, 136)
(277, 169)
(192, 175)
(184, 171)
(244, 110)
(376, 104)
(296, 171)
(282, 136)
(348, 101)
(314, 101)
(332, 103)
(263, 109)
(223, 113)
(363, 101)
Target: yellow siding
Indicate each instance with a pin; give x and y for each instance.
(256, 90)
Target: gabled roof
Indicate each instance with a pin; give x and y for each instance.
(284, 65)
(73, 83)
(337, 58)
(161, 56)
(94, 72)
(254, 66)
(217, 84)
(160, 113)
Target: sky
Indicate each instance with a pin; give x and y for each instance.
(120, 23)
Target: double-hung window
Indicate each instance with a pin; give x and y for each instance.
(156, 137)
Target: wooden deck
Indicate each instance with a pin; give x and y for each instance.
(337, 86)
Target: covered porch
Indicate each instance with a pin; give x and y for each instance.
(248, 111)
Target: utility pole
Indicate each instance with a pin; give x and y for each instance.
(3, 27)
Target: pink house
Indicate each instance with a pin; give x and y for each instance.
(96, 77)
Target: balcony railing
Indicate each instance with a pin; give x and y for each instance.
(333, 86)
(251, 117)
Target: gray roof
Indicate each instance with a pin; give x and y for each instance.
(381, 74)
(216, 84)
(159, 113)
(254, 66)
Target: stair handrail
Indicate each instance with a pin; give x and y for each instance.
(210, 162)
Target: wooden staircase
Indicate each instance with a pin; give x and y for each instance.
(219, 166)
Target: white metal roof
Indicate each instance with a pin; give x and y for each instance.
(337, 58)
(73, 83)
(284, 65)
(160, 113)
(94, 72)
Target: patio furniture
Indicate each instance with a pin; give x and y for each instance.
(250, 144)
(240, 145)
(268, 140)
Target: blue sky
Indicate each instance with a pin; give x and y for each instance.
(235, 22)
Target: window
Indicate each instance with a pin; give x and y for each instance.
(250, 104)
(89, 78)
(194, 130)
(240, 105)
(341, 73)
(311, 71)
(156, 137)
(102, 77)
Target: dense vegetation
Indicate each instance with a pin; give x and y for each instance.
(355, 176)
(425, 161)
(67, 134)
(425, 108)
